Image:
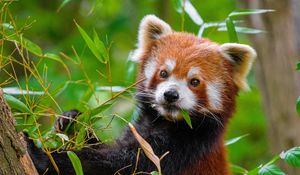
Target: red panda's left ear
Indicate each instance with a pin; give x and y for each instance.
(151, 28)
(242, 57)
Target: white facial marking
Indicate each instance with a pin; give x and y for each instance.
(187, 100)
(192, 72)
(149, 70)
(170, 63)
(214, 94)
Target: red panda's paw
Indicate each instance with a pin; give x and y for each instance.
(66, 119)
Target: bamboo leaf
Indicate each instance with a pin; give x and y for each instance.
(238, 169)
(245, 30)
(91, 45)
(63, 4)
(231, 31)
(31, 46)
(75, 162)
(192, 12)
(234, 140)
(100, 46)
(270, 170)
(100, 109)
(16, 104)
(243, 12)
(177, 4)
(187, 118)
(291, 156)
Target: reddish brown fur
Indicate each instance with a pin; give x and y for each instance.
(190, 51)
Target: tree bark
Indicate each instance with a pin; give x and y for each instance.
(275, 70)
(14, 159)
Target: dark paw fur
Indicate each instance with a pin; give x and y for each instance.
(66, 119)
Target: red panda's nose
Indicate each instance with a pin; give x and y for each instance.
(171, 95)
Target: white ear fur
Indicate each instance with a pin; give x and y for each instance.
(242, 56)
(151, 28)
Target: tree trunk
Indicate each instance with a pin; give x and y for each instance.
(14, 159)
(275, 69)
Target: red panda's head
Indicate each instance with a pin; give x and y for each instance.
(184, 72)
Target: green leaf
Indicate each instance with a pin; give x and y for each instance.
(31, 46)
(53, 57)
(91, 45)
(298, 105)
(100, 46)
(75, 162)
(81, 135)
(238, 169)
(231, 31)
(298, 65)
(270, 170)
(187, 118)
(154, 173)
(21, 127)
(16, 104)
(192, 12)
(234, 140)
(177, 4)
(291, 156)
(63, 4)
(243, 12)
(245, 30)
(100, 109)
(131, 71)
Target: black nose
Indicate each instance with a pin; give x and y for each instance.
(171, 95)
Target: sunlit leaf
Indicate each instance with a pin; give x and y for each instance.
(91, 45)
(298, 105)
(291, 156)
(177, 4)
(231, 31)
(237, 169)
(234, 140)
(63, 4)
(245, 30)
(31, 46)
(154, 173)
(131, 71)
(16, 104)
(7, 26)
(18, 91)
(187, 118)
(75, 162)
(270, 170)
(192, 12)
(243, 12)
(63, 136)
(100, 46)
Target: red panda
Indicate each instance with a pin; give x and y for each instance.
(181, 72)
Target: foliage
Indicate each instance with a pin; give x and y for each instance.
(48, 78)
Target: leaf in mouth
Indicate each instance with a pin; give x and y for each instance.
(187, 118)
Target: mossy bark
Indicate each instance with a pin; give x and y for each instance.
(14, 159)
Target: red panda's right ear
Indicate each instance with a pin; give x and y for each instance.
(151, 28)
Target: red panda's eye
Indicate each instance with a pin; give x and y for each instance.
(163, 74)
(194, 82)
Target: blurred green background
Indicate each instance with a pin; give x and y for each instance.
(116, 22)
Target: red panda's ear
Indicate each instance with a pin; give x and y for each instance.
(151, 28)
(242, 57)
